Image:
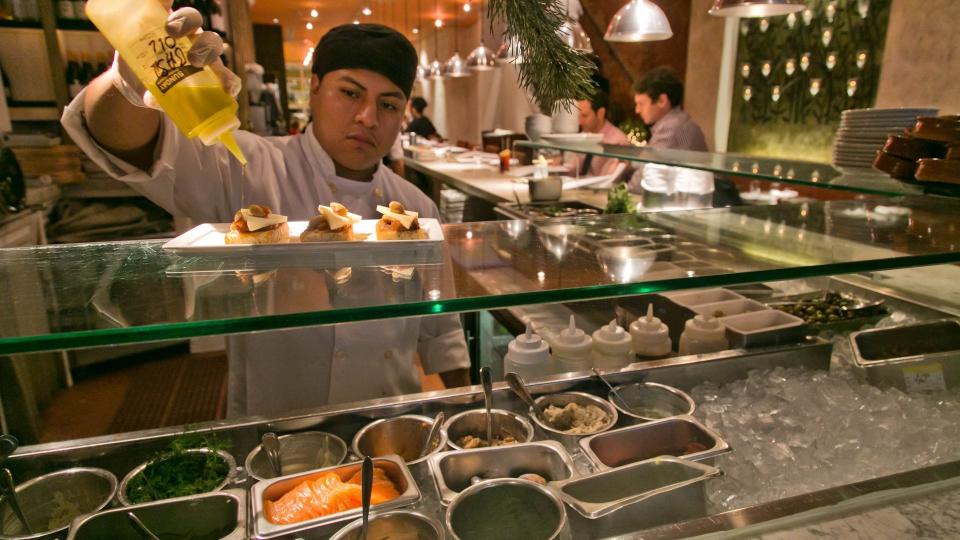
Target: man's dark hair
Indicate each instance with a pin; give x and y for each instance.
(372, 47)
(418, 104)
(661, 80)
(600, 100)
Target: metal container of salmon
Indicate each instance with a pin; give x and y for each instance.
(915, 357)
(272, 490)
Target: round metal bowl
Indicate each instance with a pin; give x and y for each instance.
(580, 398)
(652, 401)
(402, 435)
(394, 524)
(505, 507)
(225, 456)
(50, 502)
(474, 422)
(298, 452)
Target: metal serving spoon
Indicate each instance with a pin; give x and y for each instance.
(487, 383)
(366, 489)
(141, 528)
(271, 446)
(10, 492)
(516, 384)
(613, 391)
(434, 429)
(8, 445)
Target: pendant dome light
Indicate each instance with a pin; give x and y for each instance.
(756, 8)
(639, 20)
(455, 66)
(482, 58)
(571, 31)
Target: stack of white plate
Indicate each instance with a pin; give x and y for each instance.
(452, 202)
(864, 131)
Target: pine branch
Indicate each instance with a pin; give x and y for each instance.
(551, 71)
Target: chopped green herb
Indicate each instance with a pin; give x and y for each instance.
(178, 473)
(619, 201)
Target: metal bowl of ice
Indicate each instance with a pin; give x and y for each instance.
(50, 502)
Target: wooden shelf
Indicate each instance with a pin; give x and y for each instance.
(6, 23)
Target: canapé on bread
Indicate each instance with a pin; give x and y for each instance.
(398, 223)
(256, 224)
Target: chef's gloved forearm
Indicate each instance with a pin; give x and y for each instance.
(205, 50)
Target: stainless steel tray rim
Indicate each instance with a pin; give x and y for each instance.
(239, 495)
(231, 472)
(599, 510)
(264, 529)
(355, 442)
(102, 473)
(487, 484)
(447, 495)
(527, 425)
(926, 358)
(607, 406)
(248, 462)
(720, 447)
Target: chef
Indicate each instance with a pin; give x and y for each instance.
(592, 117)
(362, 79)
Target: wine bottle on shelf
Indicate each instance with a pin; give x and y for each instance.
(65, 10)
(87, 73)
(24, 10)
(74, 86)
(80, 10)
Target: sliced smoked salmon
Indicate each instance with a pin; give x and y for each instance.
(326, 495)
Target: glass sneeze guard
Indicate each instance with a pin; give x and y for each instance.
(83, 295)
(822, 175)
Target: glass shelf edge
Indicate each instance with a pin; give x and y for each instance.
(176, 331)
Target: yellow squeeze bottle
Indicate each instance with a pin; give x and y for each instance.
(192, 97)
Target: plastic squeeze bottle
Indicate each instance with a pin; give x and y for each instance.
(192, 97)
(527, 355)
(571, 349)
(651, 338)
(703, 334)
(612, 347)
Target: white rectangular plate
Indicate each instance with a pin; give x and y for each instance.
(208, 239)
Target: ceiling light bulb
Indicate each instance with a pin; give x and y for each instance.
(276, 20)
(367, 11)
(309, 26)
(466, 7)
(438, 23)
(415, 30)
(314, 13)
(355, 21)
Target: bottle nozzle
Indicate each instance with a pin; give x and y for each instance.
(529, 331)
(572, 327)
(650, 312)
(230, 143)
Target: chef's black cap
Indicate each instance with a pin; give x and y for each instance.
(374, 47)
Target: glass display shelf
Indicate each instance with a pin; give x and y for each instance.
(83, 295)
(808, 173)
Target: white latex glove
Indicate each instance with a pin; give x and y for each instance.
(205, 51)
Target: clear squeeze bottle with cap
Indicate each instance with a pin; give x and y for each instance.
(611, 347)
(651, 338)
(703, 334)
(192, 97)
(571, 349)
(527, 355)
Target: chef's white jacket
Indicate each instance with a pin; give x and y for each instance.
(280, 371)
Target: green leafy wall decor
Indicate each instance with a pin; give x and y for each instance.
(795, 74)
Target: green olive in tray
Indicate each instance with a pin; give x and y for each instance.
(831, 308)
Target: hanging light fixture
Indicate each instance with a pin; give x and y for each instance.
(481, 58)
(573, 34)
(510, 51)
(639, 20)
(455, 66)
(756, 8)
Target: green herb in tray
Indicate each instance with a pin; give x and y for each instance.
(178, 473)
(619, 201)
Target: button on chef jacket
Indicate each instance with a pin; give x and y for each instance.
(280, 371)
